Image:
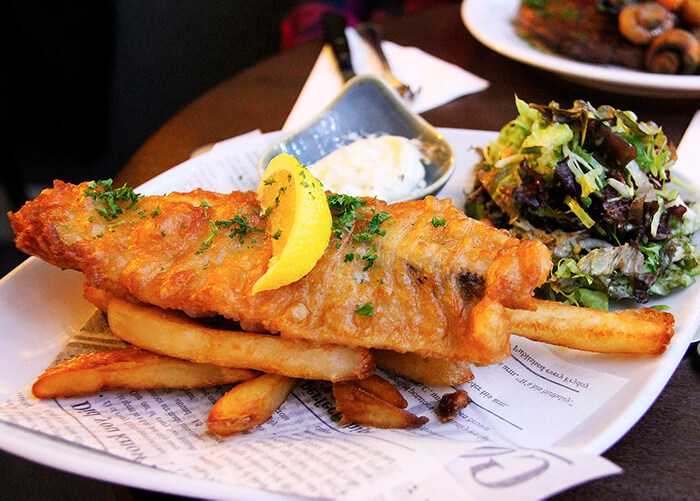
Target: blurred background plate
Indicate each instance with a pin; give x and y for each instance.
(492, 24)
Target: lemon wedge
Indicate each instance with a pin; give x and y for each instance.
(299, 221)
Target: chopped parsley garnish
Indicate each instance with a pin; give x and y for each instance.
(373, 227)
(438, 222)
(206, 205)
(207, 242)
(376, 220)
(279, 194)
(276, 235)
(366, 310)
(345, 209)
(101, 192)
(348, 258)
(269, 181)
(370, 261)
(362, 237)
(156, 211)
(239, 226)
(368, 236)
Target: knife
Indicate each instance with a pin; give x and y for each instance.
(334, 34)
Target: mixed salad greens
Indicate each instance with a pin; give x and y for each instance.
(592, 184)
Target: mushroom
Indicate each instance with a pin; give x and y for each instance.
(676, 51)
(641, 23)
(690, 12)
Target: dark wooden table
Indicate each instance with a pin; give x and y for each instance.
(661, 453)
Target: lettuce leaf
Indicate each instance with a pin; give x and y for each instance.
(591, 184)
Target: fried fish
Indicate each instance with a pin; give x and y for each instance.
(416, 277)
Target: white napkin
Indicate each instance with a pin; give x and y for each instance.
(440, 82)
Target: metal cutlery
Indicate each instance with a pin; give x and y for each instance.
(334, 34)
(373, 35)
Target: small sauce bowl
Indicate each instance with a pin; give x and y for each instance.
(367, 107)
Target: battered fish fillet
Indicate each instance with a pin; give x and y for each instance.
(434, 289)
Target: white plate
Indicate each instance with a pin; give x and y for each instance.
(490, 22)
(40, 306)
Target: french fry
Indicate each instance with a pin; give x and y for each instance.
(427, 370)
(249, 404)
(361, 407)
(172, 333)
(382, 389)
(642, 332)
(130, 368)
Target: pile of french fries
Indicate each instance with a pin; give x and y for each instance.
(171, 350)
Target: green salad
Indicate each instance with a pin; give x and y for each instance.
(594, 185)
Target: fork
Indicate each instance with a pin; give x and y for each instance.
(373, 35)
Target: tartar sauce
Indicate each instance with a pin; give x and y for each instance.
(388, 167)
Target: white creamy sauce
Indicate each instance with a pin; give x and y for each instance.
(388, 167)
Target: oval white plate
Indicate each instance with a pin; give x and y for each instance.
(490, 22)
(31, 340)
